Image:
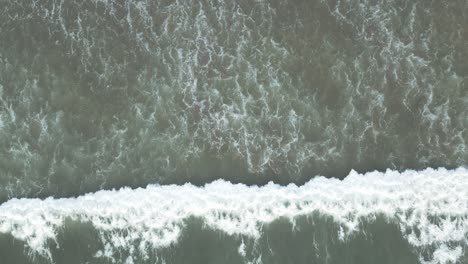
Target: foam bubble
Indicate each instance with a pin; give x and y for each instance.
(431, 207)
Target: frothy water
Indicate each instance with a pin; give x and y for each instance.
(429, 210)
(101, 94)
(110, 101)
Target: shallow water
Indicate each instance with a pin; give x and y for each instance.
(412, 217)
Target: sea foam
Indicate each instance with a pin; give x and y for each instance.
(430, 206)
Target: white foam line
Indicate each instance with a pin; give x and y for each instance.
(155, 215)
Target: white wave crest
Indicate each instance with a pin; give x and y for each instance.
(154, 216)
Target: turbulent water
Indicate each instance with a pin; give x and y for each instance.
(103, 94)
(413, 217)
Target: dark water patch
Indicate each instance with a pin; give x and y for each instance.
(315, 239)
(77, 242)
(14, 251)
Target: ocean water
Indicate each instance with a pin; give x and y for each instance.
(233, 131)
(412, 217)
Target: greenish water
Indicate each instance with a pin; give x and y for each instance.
(412, 217)
(135, 95)
(310, 240)
(103, 94)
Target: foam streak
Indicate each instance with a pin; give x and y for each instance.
(432, 204)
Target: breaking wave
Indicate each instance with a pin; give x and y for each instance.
(429, 208)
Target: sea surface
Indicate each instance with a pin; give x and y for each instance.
(234, 131)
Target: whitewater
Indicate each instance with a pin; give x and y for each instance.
(430, 207)
(178, 131)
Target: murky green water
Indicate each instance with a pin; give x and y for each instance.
(98, 94)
